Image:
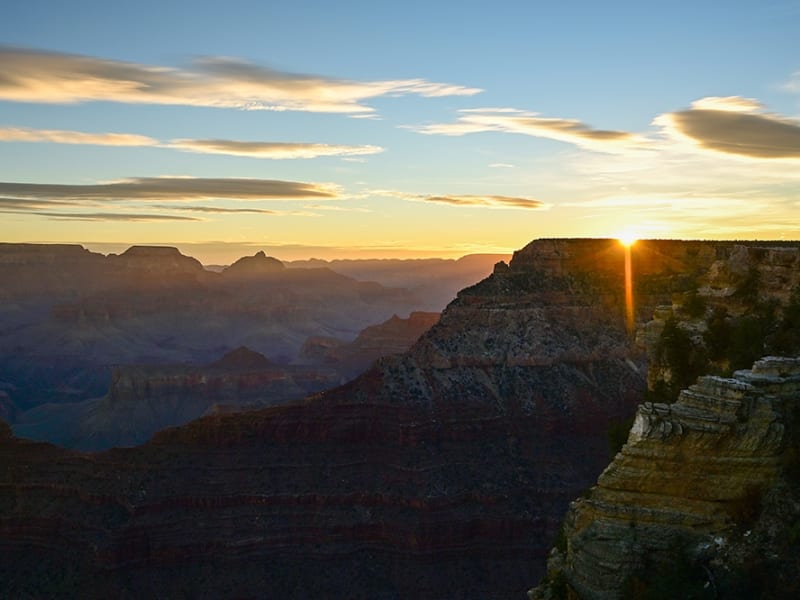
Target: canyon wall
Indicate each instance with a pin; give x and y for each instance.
(440, 473)
(704, 498)
(702, 501)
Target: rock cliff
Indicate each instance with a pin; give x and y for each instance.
(393, 336)
(439, 473)
(695, 478)
(744, 305)
(254, 266)
(703, 499)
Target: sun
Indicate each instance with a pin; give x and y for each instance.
(627, 239)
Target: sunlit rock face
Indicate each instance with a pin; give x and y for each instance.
(692, 477)
(744, 305)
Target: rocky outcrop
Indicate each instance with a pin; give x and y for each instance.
(145, 399)
(393, 336)
(744, 305)
(158, 260)
(703, 459)
(690, 473)
(242, 359)
(253, 266)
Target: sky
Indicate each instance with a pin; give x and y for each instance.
(404, 129)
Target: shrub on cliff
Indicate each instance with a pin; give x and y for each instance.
(684, 359)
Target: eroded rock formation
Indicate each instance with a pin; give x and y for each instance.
(690, 473)
(144, 399)
(394, 336)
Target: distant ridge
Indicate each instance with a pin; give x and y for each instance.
(257, 264)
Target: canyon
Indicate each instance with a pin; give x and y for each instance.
(68, 315)
(144, 399)
(443, 472)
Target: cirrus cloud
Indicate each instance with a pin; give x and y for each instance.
(54, 77)
(104, 216)
(270, 150)
(60, 136)
(468, 200)
(172, 188)
(274, 150)
(511, 120)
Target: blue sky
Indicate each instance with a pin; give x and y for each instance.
(396, 129)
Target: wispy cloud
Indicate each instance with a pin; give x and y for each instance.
(334, 208)
(501, 166)
(731, 125)
(270, 150)
(511, 120)
(60, 136)
(274, 150)
(171, 188)
(67, 216)
(469, 200)
(53, 77)
(214, 209)
(737, 126)
(13, 204)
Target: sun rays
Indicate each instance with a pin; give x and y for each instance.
(628, 240)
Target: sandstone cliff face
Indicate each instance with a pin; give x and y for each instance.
(703, 467)
(744, 305)
(689, 474)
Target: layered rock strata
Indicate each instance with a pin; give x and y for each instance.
(440, 473)
(689, 474)
(393, 336)
(744, 305)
